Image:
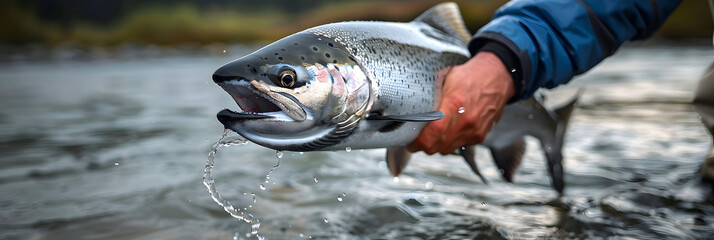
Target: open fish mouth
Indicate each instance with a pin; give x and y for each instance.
(259, 102)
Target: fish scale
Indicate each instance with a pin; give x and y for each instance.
(402, 72)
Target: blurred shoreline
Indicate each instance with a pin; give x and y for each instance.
(193, 22)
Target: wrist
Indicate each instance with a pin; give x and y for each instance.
(496, 70)
(510, 61)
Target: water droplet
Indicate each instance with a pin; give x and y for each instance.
(513, 70)
(463, 148)
(315, 179)
(339, 199)
(395, 179)
(116, 164)
(262, 187)
(254, 228)
(326, 220)
(348, 149)
(462, 110)
(530, 116)
(483, 203)
(236, 236)
(279, 154)
(301, 235)
(429, 185)
(224, 51)
(248, 218)
(344, 194)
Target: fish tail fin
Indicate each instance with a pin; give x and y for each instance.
(447, 18)
(553, 150)
(469, 154)
(397, 159)
(563, 113)
(509, 158)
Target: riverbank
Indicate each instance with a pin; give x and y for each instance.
(186, 24)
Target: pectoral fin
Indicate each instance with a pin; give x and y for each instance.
(397, 159)
(418, 117)
(509, 158)
(469, 154)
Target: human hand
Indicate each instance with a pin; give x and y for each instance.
(481, 87)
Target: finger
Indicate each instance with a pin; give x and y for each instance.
(454, 128)
(450, 132)
(428, 136)
(454, 144)
(466, 139)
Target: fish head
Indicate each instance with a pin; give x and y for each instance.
(294, 91)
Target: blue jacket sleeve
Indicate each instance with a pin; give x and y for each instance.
(552, 41)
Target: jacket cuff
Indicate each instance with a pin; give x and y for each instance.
(507, 51)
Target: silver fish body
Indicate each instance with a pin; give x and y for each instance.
(352, 70)
(364, 85)
(402, 61)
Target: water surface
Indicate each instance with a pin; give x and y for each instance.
(113, 147)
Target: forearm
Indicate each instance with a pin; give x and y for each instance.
(552, 41)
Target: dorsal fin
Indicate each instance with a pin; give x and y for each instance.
(446, 17)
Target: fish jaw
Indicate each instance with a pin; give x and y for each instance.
(259, 102)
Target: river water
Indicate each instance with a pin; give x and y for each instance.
(113, 146)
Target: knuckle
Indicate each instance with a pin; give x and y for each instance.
(436, 129)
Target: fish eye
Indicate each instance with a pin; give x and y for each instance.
(287, 78)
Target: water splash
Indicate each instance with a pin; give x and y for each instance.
(279, 155)
(348, 149)
(314, 179)
(254, 228)
(209, 182)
